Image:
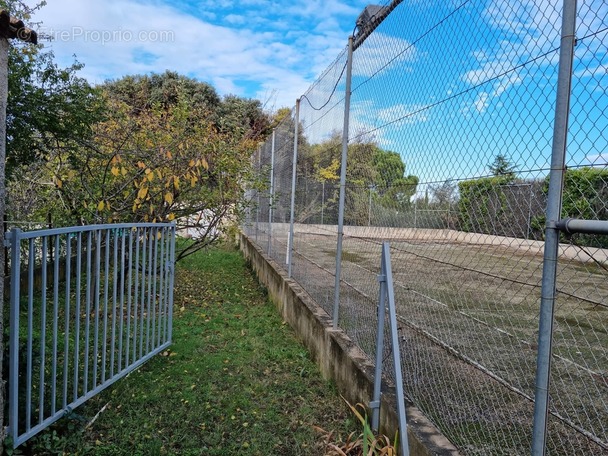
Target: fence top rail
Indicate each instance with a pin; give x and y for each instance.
(86, 228)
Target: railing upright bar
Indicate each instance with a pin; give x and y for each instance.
(153, 296)
(42, 385)
(87, 322)
(13, 402)
(136, 296)
(106, 286)
(96, 293)
(149, 289)
(66, 340)
(129, 297)
(114, 301)
(146, 299)
(166, 282)
(122, 299)
(143, 293)
(161, 287)
(30, 333)
(55, 329)
(77, 315)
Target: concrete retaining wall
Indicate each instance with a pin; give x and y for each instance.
(338, 357)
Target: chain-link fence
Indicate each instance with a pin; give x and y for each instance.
(453, 123)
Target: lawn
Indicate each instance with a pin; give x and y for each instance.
(235, 381)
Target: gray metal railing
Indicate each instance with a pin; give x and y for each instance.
(83, 316)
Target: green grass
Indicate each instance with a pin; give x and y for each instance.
(235, 381)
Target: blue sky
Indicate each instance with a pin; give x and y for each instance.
(271, 50)
(451, 84)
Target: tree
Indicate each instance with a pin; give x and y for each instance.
(244, 117)
(51, 111)
(168, 150)
(501, 166)
(141, 92)
(394, 187)
(444, 194)
(371, 173)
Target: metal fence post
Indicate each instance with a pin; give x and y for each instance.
(554, 206)
(345, 133)
(375, 404)
(392, 318)
(387, 292)
(257, 208)
(293, 189)
(271, 196)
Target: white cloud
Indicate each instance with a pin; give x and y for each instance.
(481, 102)
(249, 52)
(236, 19)
(530, 28)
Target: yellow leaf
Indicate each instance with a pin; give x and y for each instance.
(142, 192)
(115, 171)
(151, 177)
(171, 217)
(123, 171)
(176, 182)
(205, 164)
(191, 164)
(193, 181)
(100, 206)
(169, 155)
(148, 171)
(58, 182)
(169, 198)
(141, 165)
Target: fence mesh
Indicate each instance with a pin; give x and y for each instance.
(449, 154)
